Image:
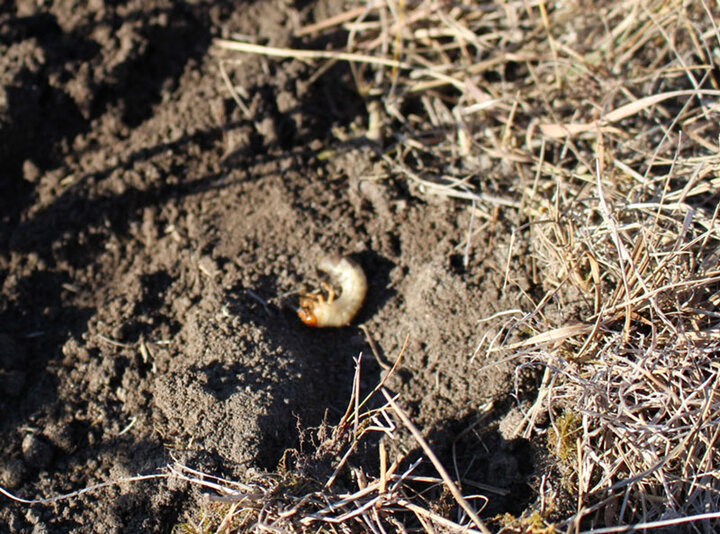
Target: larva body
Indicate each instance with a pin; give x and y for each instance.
(334, 312)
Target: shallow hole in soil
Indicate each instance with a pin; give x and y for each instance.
(486, 466)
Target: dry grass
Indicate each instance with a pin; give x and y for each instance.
(597, 122)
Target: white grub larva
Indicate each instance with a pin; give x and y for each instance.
(334, 311)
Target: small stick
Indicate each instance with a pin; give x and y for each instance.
(373, 347)
(236, 97)
(383, 469)
(466, 254)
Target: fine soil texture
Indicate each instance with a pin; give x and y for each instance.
(164, 204)
(154, 238)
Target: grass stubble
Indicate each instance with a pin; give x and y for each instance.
(597, 123)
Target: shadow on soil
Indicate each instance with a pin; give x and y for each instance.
(38, 319)
(42, 118)
(483, 462)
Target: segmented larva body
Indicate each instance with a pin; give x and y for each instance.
(350, 278)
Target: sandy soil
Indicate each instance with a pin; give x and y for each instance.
(153, 237)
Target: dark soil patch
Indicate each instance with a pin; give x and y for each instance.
(143, 218)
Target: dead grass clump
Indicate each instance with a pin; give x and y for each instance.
(596, 122)
(296, 499)
(638, 366)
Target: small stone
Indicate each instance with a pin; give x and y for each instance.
(266, 128)
(36, 452)
(208, 267)
(12, 473)
(62, 436)
(31, 173)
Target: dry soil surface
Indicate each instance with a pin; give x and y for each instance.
(154, 236)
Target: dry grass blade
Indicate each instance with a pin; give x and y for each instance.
(252, 48)
(568, 130)
(78, 493)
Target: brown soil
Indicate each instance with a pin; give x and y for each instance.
(144, 219)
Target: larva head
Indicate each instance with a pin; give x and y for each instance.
(307, 316)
